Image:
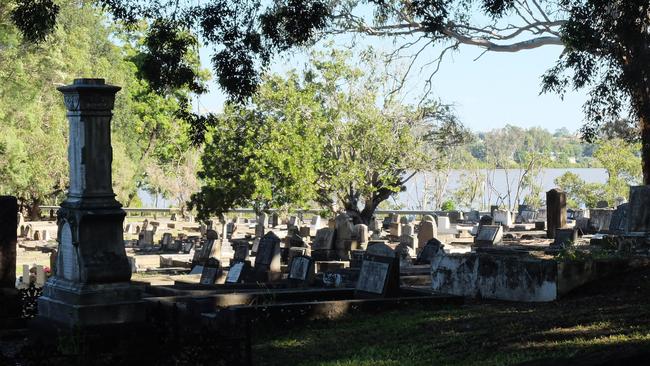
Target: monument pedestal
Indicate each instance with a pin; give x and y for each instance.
(75, 305)
(91, 283)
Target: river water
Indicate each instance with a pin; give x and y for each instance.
(499, 181)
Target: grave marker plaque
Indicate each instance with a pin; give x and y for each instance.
(301, 270)
(379, 276)
(489, 235)
(211, 271)
(237, 272)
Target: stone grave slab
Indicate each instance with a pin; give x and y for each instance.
(489, 235)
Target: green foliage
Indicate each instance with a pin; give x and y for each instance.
(448, 205)
(33, 146)
(623, 165)
(325, 136)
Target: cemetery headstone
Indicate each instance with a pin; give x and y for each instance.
(427, 231)
(602, 204)
(638, 210)
(238, 272)
(432, 249)
(565, 237)
(503, 217)
(379, 276)
(474, 216)
(295, 240)
(211, 272)
(361, 231)
(301, 271)
(455, 217)
(323, 245)
(275, 219)
(555, 211)
(241, 250)
(305, 231)
(618, 223)
(267, 260)
(486, 220)
(489, 235)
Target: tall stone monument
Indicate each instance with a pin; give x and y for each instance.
(91, 285)
(555, 211)
(8, 224)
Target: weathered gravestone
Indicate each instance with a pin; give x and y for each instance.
(238, 272)
(322, 249)
(455, 217)
(211, 248)
(565, 237)
(432, 249)
(361, 233)
(379, 274)
(555, 211)
(618, 223)
(489, 235)
(473, 216)
(211, 272)
(166, 241)
(275, 219)
(295, 240)
(267, 260)
(8, 224)
(503, 217)
(427, 231)
(344, 235)
(241, 250)
(92, 281)
(301, 271)
(408, 229)
(486, 220)
(638, 217)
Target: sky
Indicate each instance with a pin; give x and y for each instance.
(487, 93)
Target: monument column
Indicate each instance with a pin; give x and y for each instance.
(555, 211)
(91, 285)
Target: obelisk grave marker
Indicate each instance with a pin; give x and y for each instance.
(91, 285)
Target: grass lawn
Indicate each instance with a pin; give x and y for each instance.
(606, 320)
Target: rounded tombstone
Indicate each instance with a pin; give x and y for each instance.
(380, 248)
(428, 218)
(486, 220)
(211, 234)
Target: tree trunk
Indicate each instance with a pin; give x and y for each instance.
(644, 120)
(33, 210)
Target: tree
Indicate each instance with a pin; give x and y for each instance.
(606, 42)
(623, 166)
(327, 136)
(33, 156)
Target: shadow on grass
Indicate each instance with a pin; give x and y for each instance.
(587, 328)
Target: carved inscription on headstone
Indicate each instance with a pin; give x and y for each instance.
(373, 277)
